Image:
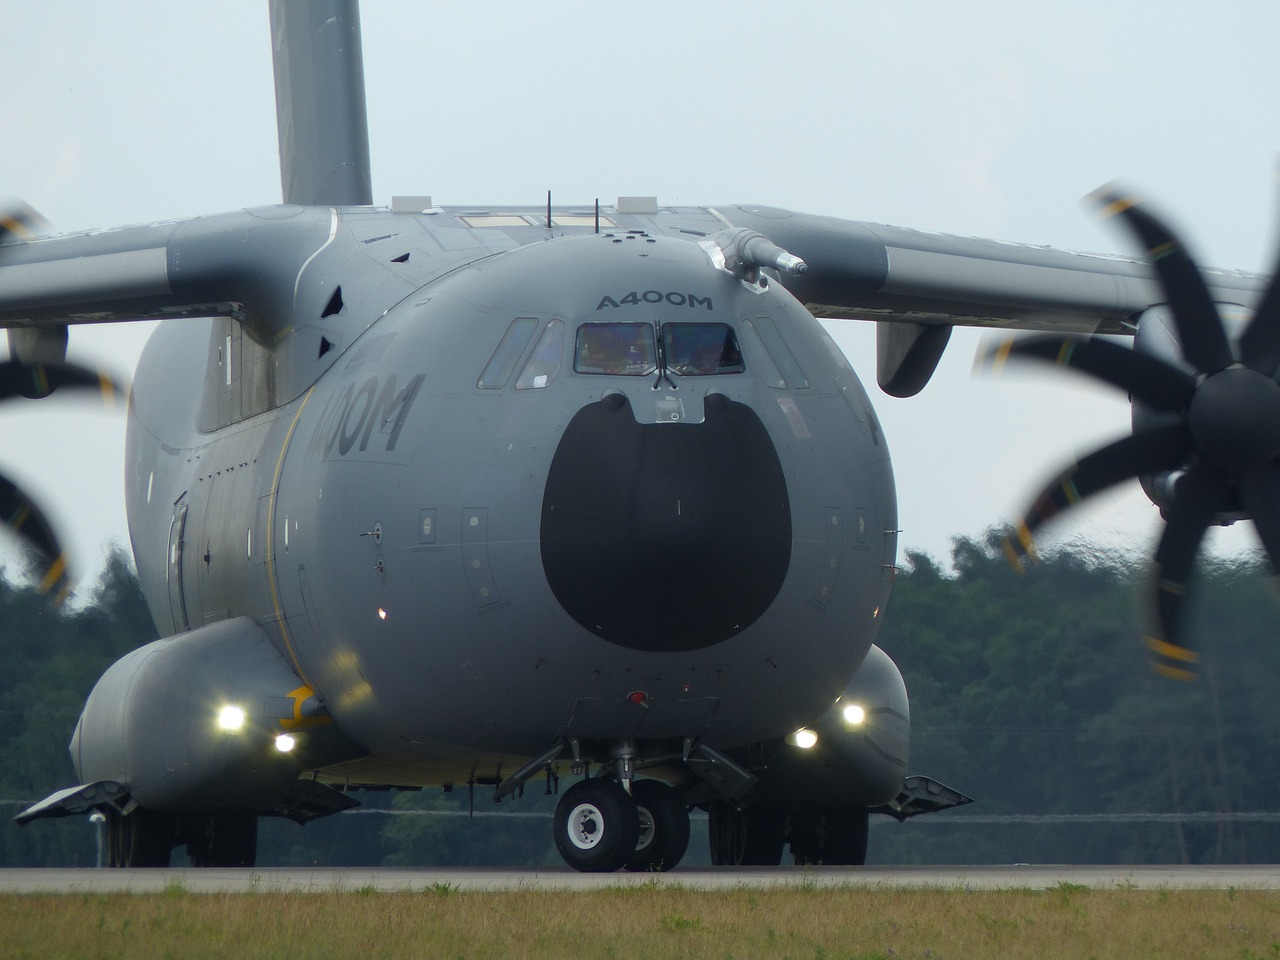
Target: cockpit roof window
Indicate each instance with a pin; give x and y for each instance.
(700, 349)
(580, 220)
(530, 220)
(615, 349)
(493, 220)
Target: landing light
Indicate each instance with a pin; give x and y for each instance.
(854, 715)
(285, 743)
(804, 738)
(231, 718)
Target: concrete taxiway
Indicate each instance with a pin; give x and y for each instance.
(330, 880)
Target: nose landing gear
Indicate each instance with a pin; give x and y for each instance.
(600, 828)
(664, 827)
(596, 826)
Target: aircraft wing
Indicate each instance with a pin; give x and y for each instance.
(869, 271)
(918, 285)
(208, 266)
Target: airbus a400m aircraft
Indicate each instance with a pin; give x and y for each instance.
(431, 495)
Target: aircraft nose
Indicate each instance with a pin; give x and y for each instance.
(665, 536)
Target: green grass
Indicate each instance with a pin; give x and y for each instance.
(650, 922)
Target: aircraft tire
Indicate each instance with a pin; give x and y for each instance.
(846, 839)
(753, 837)
(596, 826)
(663, 823)
(835, 836)
(223, 840)
(144, 838)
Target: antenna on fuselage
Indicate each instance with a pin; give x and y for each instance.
(320, 105)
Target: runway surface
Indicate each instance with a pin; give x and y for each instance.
(329, 880)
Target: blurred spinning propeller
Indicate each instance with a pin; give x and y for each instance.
(1216, 432)
(36, 379)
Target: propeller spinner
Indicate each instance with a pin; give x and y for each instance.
(1217, 431)
(18, 511)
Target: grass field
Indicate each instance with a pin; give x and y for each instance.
(649, 922)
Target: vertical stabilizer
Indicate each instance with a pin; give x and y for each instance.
(320, 109)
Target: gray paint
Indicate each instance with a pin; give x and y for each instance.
(312, 401)
(320, 106)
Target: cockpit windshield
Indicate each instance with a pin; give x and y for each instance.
(700, 349)
(620, 349)
(632, 350)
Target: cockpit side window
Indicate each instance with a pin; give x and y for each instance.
(618, 349)
(700, 349)
(778, 351)
(544, 363)
(762, 366)
(503, 362)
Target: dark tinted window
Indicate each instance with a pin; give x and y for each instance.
(700, 349)
(619, 349)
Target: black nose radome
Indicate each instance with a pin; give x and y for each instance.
(665, 537)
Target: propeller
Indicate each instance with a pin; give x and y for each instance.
(36, 379)
(1216, 432)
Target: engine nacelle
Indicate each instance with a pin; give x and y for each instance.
(195, 722)
(855, 754)
(1157, 336)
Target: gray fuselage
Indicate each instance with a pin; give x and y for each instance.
(474, 537)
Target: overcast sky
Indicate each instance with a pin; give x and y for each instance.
(984, 119)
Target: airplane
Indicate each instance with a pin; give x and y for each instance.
(427, 495)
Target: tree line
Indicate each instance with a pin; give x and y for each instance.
(1031, 693)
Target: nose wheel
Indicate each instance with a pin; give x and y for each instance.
(664, 827)
(600, 828)
(596, 826)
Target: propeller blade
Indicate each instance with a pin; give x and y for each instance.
(39, 380)
(1260, 495)
(1260, 342)
(17, 510)
(1146, 378)
(1199, 496)
(1204, 342)
(1161, 448)
(23, 517)
(19, 221)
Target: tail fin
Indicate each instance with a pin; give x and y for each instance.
(320, 107)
